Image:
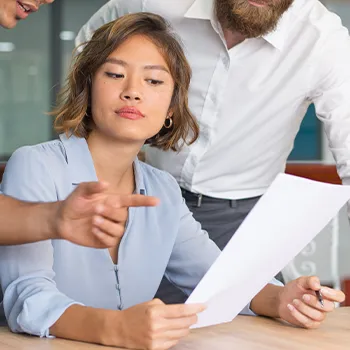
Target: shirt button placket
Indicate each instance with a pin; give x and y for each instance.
(117, 286)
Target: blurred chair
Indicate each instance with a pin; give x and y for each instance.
(2, 169)
(303, 264)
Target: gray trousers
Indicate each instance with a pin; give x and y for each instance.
(220, 218)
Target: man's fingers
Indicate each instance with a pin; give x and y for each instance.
(86, 189)
(111, 228)
(181, 310)
(103, 240)
(113, 202)
(138, 200)
(108, 214)
(311, 282)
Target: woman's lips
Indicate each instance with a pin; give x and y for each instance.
(131, 113)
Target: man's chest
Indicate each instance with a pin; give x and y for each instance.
(252, 76)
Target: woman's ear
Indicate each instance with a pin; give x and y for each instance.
(170, 113)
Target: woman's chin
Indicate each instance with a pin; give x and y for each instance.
(130, 139)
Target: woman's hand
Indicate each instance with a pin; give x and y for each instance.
(299, 305)
(156, 326)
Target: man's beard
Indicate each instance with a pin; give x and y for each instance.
(249, 20)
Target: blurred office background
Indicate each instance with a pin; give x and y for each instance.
(34, 58)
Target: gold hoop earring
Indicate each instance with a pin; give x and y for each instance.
(168, 124)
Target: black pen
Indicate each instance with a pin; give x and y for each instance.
(319, 297)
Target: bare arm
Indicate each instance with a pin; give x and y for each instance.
(266, 302)
(23, 222)
(150, 325)
(88, 324)
(87, 217)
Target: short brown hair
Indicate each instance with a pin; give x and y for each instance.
(73, 112)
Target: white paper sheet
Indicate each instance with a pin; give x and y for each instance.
(289, 215)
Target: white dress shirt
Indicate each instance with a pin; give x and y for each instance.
(250, 100)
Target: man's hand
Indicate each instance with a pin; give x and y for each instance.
(92, 217)
(156, 326)
(299, 305)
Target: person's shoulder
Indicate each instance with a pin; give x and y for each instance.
(152, 174)
(37, 160)
(50, 151)
(32, 171)
(314, 15)
(169, 9)
(125, 5)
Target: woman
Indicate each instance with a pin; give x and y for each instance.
(128, 86)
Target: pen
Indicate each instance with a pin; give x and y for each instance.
(319, 297)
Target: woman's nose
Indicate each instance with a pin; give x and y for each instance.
(131, 95)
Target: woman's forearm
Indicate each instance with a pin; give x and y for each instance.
(89, 324)
(23, 222)
(267, 301)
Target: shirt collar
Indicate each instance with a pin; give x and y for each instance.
(278, 36)
(201, 9)
(139, 179)
(204, 9)
(81, 165)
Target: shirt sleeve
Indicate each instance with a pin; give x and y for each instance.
(32, 302)
(193, 254)
(331, 96)
(105, 14)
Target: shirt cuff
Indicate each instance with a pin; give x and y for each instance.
(33, 323)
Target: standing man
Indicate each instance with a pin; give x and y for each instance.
(257, 66)
(90, 216)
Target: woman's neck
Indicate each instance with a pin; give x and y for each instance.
(113, 162)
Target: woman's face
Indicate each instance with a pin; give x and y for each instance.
(131, 92)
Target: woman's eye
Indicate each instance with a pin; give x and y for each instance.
(114, 75)
(155, 82)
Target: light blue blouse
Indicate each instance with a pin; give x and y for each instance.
(41, 280)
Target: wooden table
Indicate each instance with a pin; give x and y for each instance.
(243, 333)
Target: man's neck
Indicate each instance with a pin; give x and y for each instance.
(232, 38)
